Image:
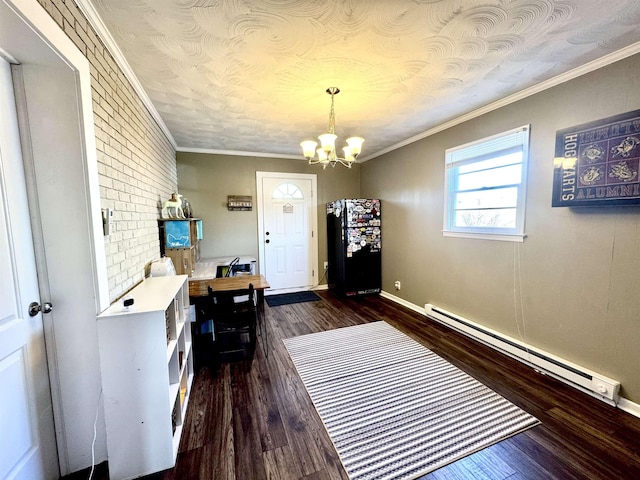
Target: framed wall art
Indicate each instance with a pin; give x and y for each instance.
(597, 163)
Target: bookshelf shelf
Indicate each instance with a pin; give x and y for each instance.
(147, 371)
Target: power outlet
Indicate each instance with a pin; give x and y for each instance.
(326, 265)
(397, 284)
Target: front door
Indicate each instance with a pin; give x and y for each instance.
(287, 217)
(27, 435)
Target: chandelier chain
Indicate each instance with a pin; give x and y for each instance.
(332, 113)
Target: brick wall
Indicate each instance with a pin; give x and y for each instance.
(136, 162)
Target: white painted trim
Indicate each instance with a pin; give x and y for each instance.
(403, 302)
(33, 14)
(51, 36)
(94, 211)
(629, 407)
(39, 20)
(237, 153)
(485, 236)
(324, 286)
(8, 57)
(96, 22)
(622, 403)
(98, 25)
(527, 92)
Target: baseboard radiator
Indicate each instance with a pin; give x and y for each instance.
(590, 382)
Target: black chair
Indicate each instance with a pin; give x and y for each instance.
(234, 318)
(202, 335)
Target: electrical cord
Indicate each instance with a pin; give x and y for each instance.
(95, 434)
(324, 274)
(517, 295)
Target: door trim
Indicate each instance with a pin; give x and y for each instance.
(313, 220)
(39, 43)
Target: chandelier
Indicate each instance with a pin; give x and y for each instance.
(326, 154)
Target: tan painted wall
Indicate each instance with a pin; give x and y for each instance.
(206, 180)
(579, 268)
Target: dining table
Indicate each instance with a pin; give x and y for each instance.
(204, 276)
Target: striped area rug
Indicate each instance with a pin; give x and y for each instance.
(393, 408)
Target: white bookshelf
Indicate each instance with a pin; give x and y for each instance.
(147, 370)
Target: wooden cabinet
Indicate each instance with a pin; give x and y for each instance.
(184, 259)
(180, 241)
(147, 369)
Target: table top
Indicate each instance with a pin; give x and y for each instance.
(208, 267)
(199, 286)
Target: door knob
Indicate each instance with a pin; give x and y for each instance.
(35, 308)
(267, 241)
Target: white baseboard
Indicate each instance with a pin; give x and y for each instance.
(629, 407)
(403, 302)
(622, 403)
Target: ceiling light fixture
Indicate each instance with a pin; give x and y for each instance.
(327, 151)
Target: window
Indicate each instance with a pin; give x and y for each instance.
(485, 187)
(287, 190)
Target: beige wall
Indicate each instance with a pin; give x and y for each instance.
(577, 271)
(206, 180)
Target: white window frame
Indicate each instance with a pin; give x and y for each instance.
(480, 150)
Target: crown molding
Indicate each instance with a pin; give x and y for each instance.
(237, 153)
(98, 25)
(8, 57)
(100, 28)
(527, 92)
(240, 153)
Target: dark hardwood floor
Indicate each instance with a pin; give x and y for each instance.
(254, 419)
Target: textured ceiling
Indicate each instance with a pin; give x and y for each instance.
(251, 75)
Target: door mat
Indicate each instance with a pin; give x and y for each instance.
(289, 298)
(393, 408)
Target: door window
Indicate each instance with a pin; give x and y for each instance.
(287, 190)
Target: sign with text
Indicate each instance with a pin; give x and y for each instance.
(597, 163)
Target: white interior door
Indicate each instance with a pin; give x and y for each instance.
(27, 435)
(287, 213)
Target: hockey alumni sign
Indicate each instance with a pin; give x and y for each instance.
(597, 163)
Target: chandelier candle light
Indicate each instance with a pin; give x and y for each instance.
(327, 151)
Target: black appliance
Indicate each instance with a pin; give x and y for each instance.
(354, 244)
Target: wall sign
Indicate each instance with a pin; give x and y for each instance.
(597, 163)
(239, 202)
